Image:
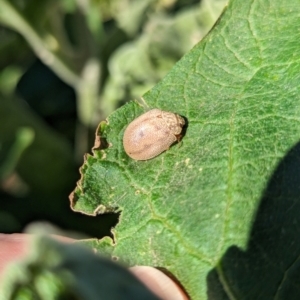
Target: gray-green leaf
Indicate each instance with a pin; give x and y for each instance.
(220, 210)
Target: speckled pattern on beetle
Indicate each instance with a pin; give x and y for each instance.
(152, 133)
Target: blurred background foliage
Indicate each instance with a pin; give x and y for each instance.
(65, 65)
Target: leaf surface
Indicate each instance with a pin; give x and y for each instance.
(219, 209)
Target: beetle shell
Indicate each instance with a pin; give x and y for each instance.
(152, 133)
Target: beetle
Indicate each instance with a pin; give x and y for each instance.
(152, 133)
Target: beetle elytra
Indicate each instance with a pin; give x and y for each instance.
(152, 133)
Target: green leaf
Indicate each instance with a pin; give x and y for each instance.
(61, 271)
(220, 210)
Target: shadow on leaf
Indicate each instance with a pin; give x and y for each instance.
(270, 268)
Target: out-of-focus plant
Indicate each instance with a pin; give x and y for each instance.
(79, 41)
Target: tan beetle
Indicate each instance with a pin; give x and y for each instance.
(152, 133)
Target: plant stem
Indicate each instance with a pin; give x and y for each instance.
(12, 17)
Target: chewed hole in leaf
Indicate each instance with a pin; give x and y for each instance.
(100, 140)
